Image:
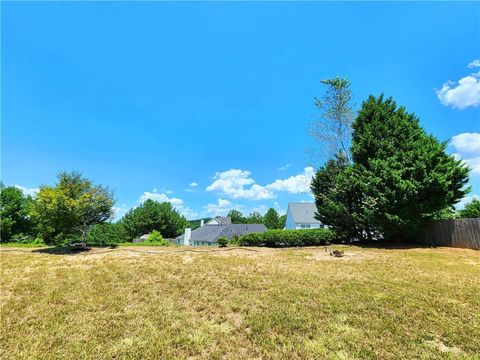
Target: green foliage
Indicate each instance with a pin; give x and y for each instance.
(272, 220)
(222, 241)
(471, 210)
(108, 234)
(282, 220)
(337, 197)
(288, 238)
(236, 217)
(71, 207)
(400, 178)
(195, 224)
(14, 213)
(25, 242)
(152, 215)
(406, 173)
(155, 239)
(254, 218)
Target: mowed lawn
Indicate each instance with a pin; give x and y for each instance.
(165, 303)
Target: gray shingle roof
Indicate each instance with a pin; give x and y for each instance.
(211, 233)
(303, 212)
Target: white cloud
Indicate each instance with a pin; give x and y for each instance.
(474, 165)
(474, 63)
(222, 207)
(463, 93)
(193, 184)
(160, 197)
(119, 211)
(294, 184)
(284, 167)
(466, 143)
(238, 184)
(467, 147)
(27, 191)
(233, 183)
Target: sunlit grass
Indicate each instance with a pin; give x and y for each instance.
(282, 304)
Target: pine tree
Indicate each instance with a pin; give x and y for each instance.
(406, 174)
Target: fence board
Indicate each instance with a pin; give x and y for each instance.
(461, 233)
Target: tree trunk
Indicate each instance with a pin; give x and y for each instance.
(84, 239)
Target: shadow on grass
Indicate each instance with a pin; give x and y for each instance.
(72, 250)
(391, 245)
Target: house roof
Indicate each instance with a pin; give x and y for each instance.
(303, 212)
(211, 233)
(223, 220)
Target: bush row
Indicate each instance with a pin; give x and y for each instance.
(288, 238)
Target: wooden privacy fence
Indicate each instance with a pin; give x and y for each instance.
(461, 233)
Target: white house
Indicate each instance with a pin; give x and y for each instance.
(301, 215)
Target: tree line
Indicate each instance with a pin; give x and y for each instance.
(77, 210)
(384, 177)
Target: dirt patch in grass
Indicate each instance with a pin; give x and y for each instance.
(210, 303)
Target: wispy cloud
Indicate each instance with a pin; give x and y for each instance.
(284, 167)
(222, 207)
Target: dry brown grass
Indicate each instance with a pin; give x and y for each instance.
(240, 304)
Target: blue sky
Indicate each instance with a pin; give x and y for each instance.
(207, 104)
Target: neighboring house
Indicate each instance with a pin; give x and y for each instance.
(208, 234)
(301, 215)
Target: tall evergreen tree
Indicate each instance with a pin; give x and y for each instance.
(406, 176)
(271, 219)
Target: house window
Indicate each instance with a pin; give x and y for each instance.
(305, 226)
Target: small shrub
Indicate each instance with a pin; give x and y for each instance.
(155, 239)
(288, 238)
(222, 241)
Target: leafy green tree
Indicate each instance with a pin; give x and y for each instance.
(254, 218)
(400, 178)
(14, 213)
(332, 128)
(282, 220)
(72, 206)
(152, 215)
(236, 217)
(471, 210)
(272, 220)
(107, 234)
(405, 175)
(338, 196)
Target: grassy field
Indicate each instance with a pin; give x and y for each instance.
(145, 303)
